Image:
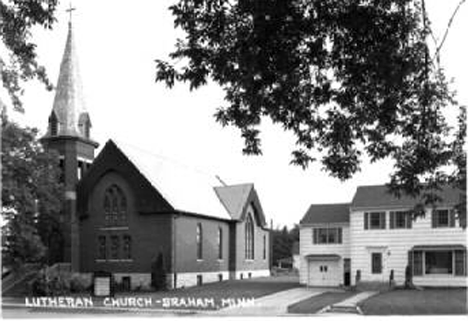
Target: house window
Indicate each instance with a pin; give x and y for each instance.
(114, 253)
(439, 262)
(115, 206)
(249, 238)
(328, 235)
(460, 262)
(443, 218)
(220, 243)
(199, 241)
(127, 247)
(376, 263)
(101, 247)
(264, 247)
(400, 220)
(374, 220)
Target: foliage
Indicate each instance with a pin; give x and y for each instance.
(348, 78)
(18, 17)
(283, 240)
(31, 194)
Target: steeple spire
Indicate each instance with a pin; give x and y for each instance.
(69, 116)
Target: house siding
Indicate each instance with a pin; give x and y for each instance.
(307, 247)
(394, 245)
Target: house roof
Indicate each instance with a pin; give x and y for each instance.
(379, 196)
(185, 188)
(326, 213)
(234, 198)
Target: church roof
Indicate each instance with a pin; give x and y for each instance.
(234, 198)
(69, 104)
(185, 188)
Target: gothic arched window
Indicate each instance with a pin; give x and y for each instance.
(115, 206)
(249, 238)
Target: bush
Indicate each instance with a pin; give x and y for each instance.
(158, 274)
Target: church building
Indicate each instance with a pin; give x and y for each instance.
(127, 208)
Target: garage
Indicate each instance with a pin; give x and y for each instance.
(324, 270)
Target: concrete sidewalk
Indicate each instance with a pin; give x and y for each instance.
(350, 305)
(274, 304)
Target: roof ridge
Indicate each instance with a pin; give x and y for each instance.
(169, 159)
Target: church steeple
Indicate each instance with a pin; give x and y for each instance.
(69, 134)
(69, 116)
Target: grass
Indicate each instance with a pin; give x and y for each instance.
(221, 292)
(414, 302)
(316, 303)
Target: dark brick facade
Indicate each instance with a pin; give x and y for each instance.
(154, 227)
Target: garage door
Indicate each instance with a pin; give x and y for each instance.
(324, 273)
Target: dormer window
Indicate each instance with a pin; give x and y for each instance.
(53, 124)
(84, 125)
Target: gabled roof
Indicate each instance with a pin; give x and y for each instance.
(379, 196)
(234, 198)
(185, 188)
(327, 213)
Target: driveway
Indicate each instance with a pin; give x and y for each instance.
(275, 304)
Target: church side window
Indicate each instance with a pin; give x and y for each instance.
(115, 206)
(220, 243)
(249, 238)
(199, 241)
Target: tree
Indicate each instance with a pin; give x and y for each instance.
(18, 17)
(348, 78)
(31, 195)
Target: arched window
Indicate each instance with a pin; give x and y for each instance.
(115, 206)
(199, 241)
(249, 238)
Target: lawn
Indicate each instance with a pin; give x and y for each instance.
(222, 294)
(316, 303)
(414, 302)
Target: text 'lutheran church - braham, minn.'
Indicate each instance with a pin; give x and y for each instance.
(127, 208)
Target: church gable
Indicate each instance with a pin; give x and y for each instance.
(241, 199)
(111, 161)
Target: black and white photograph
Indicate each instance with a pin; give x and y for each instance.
(233, 158)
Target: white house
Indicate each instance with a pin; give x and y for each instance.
(374, 237)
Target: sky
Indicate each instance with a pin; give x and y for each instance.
(117, 42)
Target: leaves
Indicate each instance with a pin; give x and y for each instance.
(32, 194)
(18, 17)
(348, 78)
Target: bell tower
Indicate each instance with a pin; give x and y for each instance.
(68, 133)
